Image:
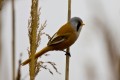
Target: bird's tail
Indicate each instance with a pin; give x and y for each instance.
(38, 54)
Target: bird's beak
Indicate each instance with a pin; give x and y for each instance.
(83, 24)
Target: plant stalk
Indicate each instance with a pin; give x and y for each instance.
(68, 49)
(13, 39)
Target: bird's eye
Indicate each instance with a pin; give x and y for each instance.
(78, 25)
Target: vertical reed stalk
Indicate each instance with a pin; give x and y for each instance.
(19, 69)
(0, 36)
(68, 49)
(119, 68)
(33, 37)
(13, 39)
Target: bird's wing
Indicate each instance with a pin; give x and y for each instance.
(56, 39)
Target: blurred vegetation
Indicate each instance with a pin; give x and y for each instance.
(13, 39)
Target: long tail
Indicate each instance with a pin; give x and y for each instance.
(38, 54)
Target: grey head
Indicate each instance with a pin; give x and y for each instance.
(77, 24)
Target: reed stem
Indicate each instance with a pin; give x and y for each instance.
(13, 39)
(68, 49)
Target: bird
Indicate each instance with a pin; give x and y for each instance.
(63, 38)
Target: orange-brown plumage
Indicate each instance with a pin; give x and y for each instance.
(63, 38)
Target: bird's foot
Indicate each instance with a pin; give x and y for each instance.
(67, 53)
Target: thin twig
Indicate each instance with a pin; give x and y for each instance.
(13, 39)
(68, 49)
(19, 69)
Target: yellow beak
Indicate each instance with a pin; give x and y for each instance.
(83, 24)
